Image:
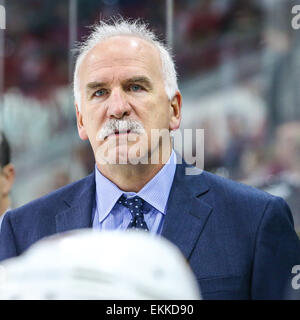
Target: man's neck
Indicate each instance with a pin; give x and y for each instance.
(129, 177)
(133, 177)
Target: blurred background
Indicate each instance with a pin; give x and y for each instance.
(238, 64)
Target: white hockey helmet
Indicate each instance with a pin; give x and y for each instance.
(89, 264)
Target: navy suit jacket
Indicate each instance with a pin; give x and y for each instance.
(239, 241)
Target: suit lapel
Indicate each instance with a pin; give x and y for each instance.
(186, 213)
(79, 206)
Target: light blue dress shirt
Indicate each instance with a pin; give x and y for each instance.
(110, 215)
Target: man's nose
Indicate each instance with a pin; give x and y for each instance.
(118, 106)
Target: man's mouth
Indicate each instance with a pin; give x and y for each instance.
(118, 133)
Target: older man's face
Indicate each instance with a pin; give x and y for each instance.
(121, 79)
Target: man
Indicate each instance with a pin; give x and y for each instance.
(239, 242)
(7, 176)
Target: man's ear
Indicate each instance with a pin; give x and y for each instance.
(175, 111)
(80, 126)
(8, 172)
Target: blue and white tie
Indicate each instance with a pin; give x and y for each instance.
(135, 206)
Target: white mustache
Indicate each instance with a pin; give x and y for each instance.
(113, 125)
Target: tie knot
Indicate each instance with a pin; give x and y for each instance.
(134, 204)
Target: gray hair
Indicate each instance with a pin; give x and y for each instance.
(104, 30)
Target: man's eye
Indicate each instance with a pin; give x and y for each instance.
(100, 92)
(136, 87)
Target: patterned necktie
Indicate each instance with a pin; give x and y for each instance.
(135, 206)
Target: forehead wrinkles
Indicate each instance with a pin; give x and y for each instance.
(114, 74)
(109, 73)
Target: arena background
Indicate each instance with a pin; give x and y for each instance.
(238, 65)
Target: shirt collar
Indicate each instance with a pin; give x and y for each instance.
(155, 192)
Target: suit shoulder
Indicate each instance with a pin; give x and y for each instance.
(235, 189)
(70, 191)
(245, 204)
(242, 200)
